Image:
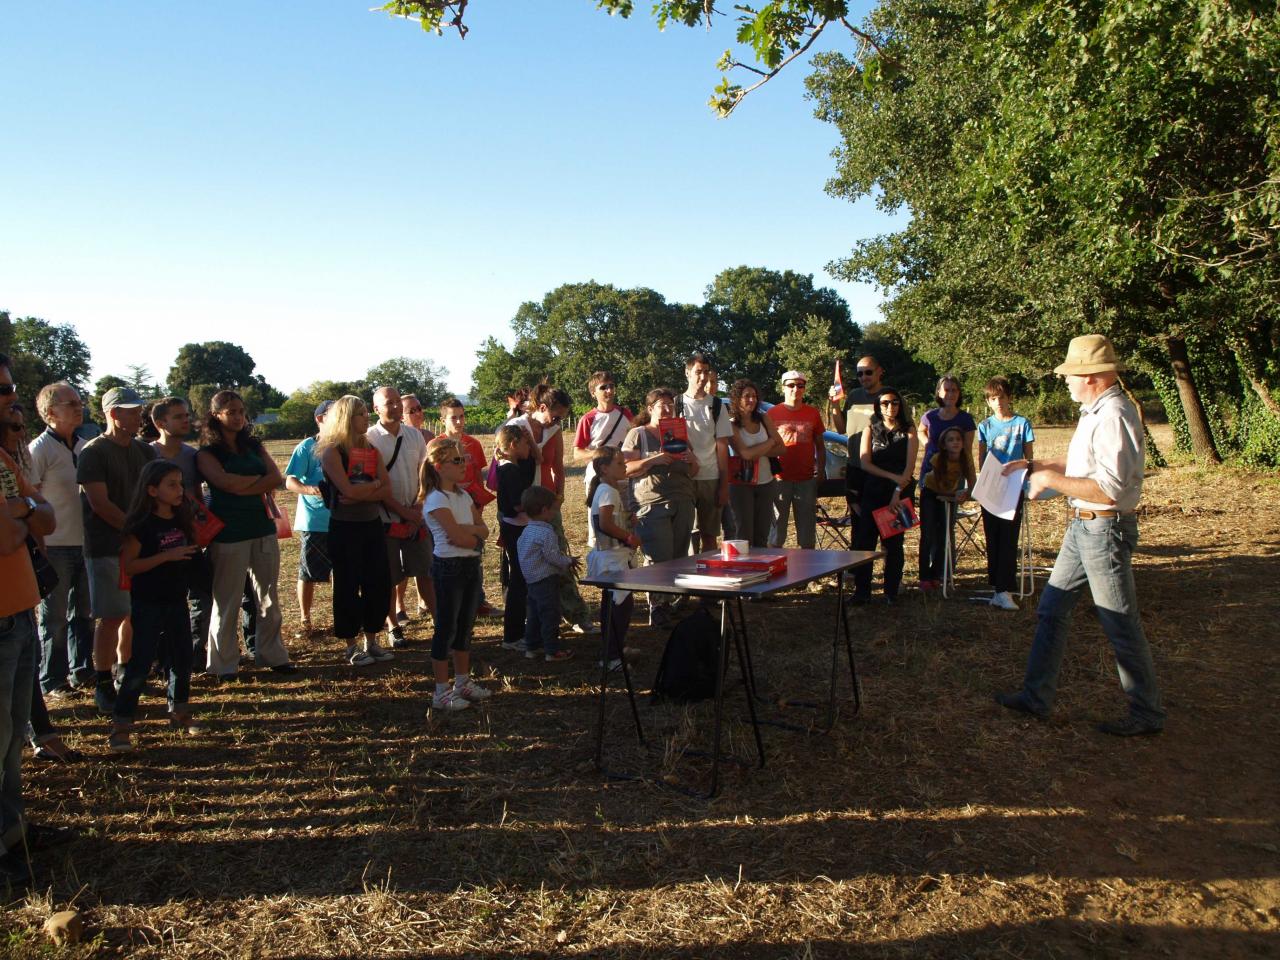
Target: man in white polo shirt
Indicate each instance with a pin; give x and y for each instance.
(709, 428)
(1102, 479)
(66, 628)
(409, 546)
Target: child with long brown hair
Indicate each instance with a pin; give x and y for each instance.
(159, 544)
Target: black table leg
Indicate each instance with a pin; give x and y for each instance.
(606, 632)
(748, 685)
(722, 665)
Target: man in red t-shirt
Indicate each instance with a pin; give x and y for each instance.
(804, 462)
(604, 426)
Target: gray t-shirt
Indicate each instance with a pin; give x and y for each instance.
(104, 461)
(186, 462)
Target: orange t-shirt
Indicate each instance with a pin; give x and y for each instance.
(801, 431)
(18, 589)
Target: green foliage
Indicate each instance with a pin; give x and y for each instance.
(409, 375)
(43, 353)
(750, 309)
(217, 362)
(643, 340)
(1068, 167)
(199, 397)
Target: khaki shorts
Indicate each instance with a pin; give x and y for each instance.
(410, 558)
(706, 507)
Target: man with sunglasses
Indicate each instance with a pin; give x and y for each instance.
(25, 513)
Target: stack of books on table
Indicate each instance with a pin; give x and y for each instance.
(769, 563)
(721, 581)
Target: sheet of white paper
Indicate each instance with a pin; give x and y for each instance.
(996, 492)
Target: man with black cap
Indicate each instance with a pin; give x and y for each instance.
(108, 471)
(1102, 480)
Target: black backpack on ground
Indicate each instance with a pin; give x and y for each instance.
(687, 672)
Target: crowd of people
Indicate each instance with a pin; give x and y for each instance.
(121, 556)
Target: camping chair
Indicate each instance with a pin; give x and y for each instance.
(964, 527)
(835, 523)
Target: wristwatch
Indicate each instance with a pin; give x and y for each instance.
(31, 507)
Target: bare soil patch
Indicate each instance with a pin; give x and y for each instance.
(328, 815)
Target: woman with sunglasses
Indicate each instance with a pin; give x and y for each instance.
(44, 739)
(888, 459)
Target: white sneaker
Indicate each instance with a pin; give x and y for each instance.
(516, 645)
(614, 665)
(375, 652)
(450, 700)
(358, 658)
(1004, 601)
(472, 691)
(585, 629)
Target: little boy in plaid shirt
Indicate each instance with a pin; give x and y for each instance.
(542, 563)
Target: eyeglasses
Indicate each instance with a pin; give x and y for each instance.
(795, 385)
(605, 386)
(8, 389)
(864, 372)
(890, 403)
(456, 461)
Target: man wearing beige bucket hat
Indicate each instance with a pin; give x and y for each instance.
(1102, 480)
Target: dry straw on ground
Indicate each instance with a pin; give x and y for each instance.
(329, 815)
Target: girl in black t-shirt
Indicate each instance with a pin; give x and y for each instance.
(159, 544)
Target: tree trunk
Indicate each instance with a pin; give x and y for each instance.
(1202, 444)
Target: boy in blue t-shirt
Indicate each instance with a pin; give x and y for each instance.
(1006, 436)
(302, 476)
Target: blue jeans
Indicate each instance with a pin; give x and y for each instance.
(160, 630)
(457, 581)
(66, 628)
(803, 495)
(1097, 553)
(542, 621)
(18, 653)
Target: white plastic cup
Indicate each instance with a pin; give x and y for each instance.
(732, 549)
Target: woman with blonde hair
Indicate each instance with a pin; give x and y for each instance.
(355, 483)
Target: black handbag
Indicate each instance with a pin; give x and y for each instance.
(46, 576)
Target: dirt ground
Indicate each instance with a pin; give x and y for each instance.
(329, 815)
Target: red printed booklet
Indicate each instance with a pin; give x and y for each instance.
(362, 465)
(674, 437)
(771, 563)
(891, 523)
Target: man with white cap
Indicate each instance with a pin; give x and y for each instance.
(108, 471)
(1102, 480)
(804, 462)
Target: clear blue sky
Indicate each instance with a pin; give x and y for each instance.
(285, 174)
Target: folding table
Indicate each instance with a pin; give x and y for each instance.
(803, 566)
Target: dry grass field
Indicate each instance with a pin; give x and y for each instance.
(328, 815)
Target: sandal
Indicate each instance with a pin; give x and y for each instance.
(55, 751)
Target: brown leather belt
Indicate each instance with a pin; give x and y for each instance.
(1097, 514)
